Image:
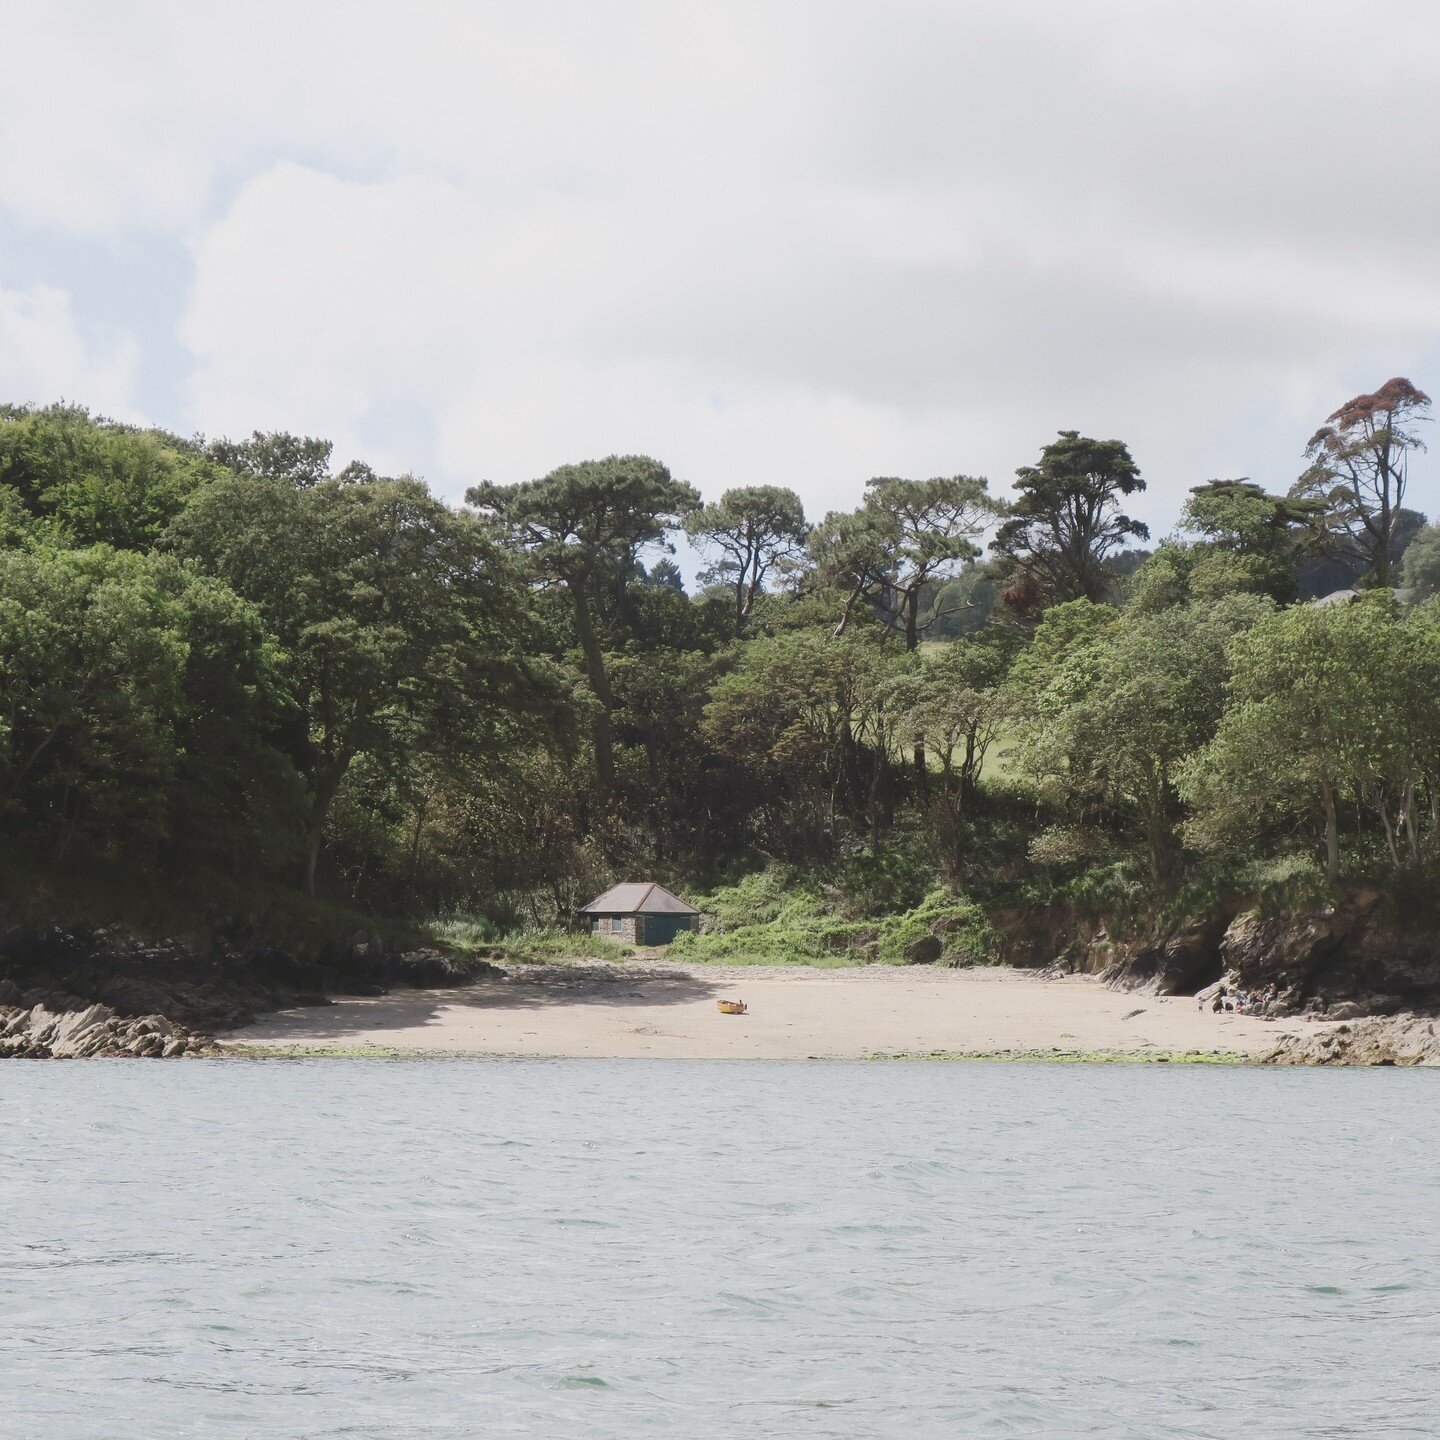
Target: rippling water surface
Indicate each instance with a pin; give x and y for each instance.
(592, 1248)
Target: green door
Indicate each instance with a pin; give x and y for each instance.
(662, 929)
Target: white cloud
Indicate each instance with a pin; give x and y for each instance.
(800, 243)
(44, 356)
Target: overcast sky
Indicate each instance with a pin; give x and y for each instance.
(788, 242)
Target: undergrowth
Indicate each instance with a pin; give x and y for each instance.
(476, 935)
(775, 917)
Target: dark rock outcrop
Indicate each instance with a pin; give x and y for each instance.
(1181, 965)
(1342, 962)
(154, 992)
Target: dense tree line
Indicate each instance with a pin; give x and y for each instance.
(225, 667)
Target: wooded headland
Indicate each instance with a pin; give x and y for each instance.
(245, 698)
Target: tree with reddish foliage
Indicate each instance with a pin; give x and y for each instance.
(1359, 462)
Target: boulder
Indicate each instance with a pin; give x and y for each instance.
(430, 970)
(924, 951)
(1345, 1010)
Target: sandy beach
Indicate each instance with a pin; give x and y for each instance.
(663, 1010)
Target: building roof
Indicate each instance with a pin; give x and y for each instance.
(643, 898)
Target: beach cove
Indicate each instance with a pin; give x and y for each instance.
(657, 1009)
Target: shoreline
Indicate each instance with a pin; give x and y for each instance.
(660, 1009)
(228, 1050)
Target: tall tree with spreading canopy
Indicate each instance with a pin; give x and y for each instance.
(1248, 542)
(752, 532)
(277, 455)
(1359, 463)
(138, 706)
(807, 718)
(1067, 522)
(403, 625)
(908, 534)
(581, 527)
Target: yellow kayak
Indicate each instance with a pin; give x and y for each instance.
(731, 1007)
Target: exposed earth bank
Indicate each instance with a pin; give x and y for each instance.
(1340, 962)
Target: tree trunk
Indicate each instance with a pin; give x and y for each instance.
(845, 613)
(599, 687)
(327, 786)
(415, 845)
(912, 618)
(969, 773)
(912, 643)
(1383, 810)
(1387, 520)
(1332, 835)
(1157, 839)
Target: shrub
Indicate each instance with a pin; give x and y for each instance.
(962, 927)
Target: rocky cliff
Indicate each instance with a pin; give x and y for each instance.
(1341, 962)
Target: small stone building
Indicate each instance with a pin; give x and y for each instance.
(640, 914)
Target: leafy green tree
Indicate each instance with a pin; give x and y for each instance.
(1252, 545)
(1065, 630)
(1250, 540)
(682, 797)
(1122, 709)
(850, 555)
(94, 482)
(277, 455)
(139, 706)
(581, 527)
(1164, 580)
(906, 536)
(1422, 564)
(402, 625)
(665, 574)
(806, 718)
(964, 605)
(1067, 521)
(1315, 719)
(1359, 465)
(753, 533)
(17, 526)
(959, 703)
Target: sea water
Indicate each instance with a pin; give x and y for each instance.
(568, 1249)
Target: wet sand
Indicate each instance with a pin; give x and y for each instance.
(662, 1010)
